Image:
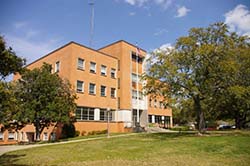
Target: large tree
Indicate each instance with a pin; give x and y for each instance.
(9, 61)
(197, 68)
(44, 98)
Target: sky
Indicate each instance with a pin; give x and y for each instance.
(34, 28)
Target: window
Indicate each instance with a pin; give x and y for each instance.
(113, 93)
(57, 66)
(91, 88)
(92, 67)
(149, 118)
(103, 90)
(112, 73)
(80, 64)
(137, 58)
(84, 113)
(1, 136)
(157, 119)
(104, 115)
(79, 86)
(11, 136)
(134, 78)
(134, 95)
(103, 70)
(45, 136)
(155, 103)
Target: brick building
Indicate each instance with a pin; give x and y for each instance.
(104, 79)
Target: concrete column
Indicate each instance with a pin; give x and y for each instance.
(171, 121)
(97, 114)
(153, 119)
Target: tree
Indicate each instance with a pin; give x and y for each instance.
(197, 68)
(9, 61)
(9, 64)
(44, 98)
(233, 102)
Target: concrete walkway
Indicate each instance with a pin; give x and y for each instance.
(8, 148)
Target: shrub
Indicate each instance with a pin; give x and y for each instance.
(180, 128)
(68, 131)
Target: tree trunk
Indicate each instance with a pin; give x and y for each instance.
(199, 115)
(37, 127)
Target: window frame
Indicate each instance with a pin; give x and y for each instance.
(105, 91)
(90, 68)
(105, 68)
(82, 87)
(94, 90)
(111, 95)
(83, 64)
(57, 67)
(113, 73)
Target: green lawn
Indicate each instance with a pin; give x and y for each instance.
(228, 148)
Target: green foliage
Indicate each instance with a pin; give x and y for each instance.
(44, 98)
(200, 68)
(98, 132)
(8, 104)
(68, 131)
(9, 61)
(180, 128)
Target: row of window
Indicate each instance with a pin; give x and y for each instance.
(156, 104)
(11, 136)
(92, 89)
(81, 66)
(158, 119)
(134, 94)
(85, 113)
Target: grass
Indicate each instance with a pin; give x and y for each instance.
(220, 148)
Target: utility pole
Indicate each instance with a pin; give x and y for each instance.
(91, 4)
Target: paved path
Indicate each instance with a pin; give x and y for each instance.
(8, 148)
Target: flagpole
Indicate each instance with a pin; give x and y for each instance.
(137, 84)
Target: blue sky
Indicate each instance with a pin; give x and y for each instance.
(35, 27)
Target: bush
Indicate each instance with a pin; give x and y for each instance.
(180, 128)
(68, 131)
(77, 133)
(97, 132)
(83, 133)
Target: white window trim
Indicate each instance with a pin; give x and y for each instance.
(57, 69)
(94, 89)
(82, 86)
(91, 69)
(105, 92)
(83, 64)
(113, 71)
(105, 71)
(111, 93)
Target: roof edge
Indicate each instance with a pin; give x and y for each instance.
(124, 42)
(65, 45)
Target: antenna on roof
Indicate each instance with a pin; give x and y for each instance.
(91, 4)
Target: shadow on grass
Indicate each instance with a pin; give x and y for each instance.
(9, 159)
(163, 136)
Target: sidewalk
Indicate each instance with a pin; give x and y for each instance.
(9, 148)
